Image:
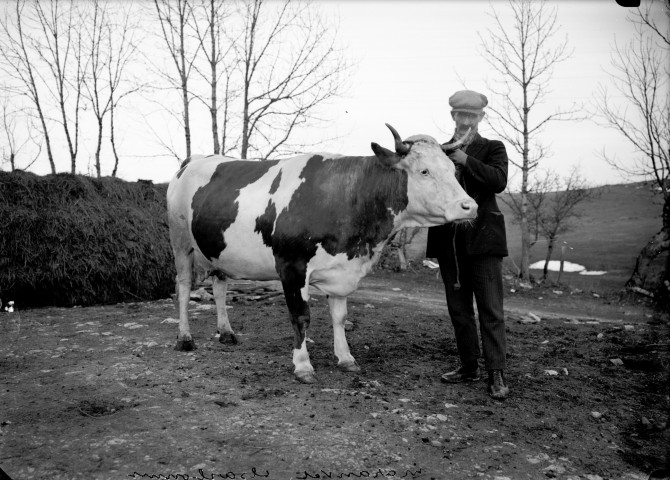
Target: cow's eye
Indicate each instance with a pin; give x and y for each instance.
(425, 172)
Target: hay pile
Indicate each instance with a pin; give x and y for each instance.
(73, 240)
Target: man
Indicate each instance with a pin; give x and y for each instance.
(470, 256)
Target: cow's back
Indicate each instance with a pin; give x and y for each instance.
(213, 206)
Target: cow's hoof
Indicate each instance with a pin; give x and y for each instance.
(185, 345)
(306, 377)
(349, 366)
(228, 338)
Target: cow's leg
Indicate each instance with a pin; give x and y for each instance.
(184, 265)
(299, 314)
(338, 310)
(223, 328)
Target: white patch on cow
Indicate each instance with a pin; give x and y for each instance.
(337, 274)
(338, 310)
(301, 358)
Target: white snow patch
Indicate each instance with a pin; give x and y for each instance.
(555, 266)
(593, 272)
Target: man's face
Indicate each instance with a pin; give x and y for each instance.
(465, 121)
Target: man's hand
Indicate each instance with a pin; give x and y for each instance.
(458, 157)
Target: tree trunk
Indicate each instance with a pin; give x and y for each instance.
(68, 137)
(524, 268)
(248, 73)
(98, 148)
(184, 87)
(663, 291)
(644, 275)
(245, 123)
(560, 269)
(550, 250)
(111, 137)
(525, 170)
(213, 108)
(187, 120)
(47, 140)
(402, 257)
(657, 245)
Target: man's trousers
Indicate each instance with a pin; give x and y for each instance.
(478, 276)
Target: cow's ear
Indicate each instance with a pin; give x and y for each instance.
(386, 156)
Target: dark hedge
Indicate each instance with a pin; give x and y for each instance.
(74, 240)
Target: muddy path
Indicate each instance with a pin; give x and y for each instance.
(99, 393)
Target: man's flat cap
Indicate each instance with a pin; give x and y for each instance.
(468, 101)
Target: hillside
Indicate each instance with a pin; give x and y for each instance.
(613, 229)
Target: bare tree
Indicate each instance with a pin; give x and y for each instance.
(640, 76)
(290, 66)
(111, 48)
(216, 47)
(100, 101)
(17, 51)
(174, 17)
(15, 142)
(537, 193)
(552, 202)
(524, 56)
(123, 46)
(553, 214)
(61, 53)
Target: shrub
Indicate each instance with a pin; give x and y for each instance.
(73, 240)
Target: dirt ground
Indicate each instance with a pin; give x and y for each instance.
(99, 392)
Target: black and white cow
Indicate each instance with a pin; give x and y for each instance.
(316, 219)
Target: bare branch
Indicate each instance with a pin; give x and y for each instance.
(17, 53)
(175, 18)
(639, 76)
(281, 92)
(524, 56)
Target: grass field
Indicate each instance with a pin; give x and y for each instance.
(614, 227)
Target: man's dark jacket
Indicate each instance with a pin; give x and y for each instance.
(484, 175)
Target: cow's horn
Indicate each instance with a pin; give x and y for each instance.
(401, 148)
(450, 147)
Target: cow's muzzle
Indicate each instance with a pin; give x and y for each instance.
(463, 210)
(469, 206)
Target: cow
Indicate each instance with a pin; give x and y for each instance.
(317, 219)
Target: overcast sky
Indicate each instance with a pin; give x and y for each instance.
(409, 57)
(414, 55)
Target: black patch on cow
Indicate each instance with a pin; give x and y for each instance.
(215, 204)
(343, 204)
(266, 222)
(275, 183)
(293, 278)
